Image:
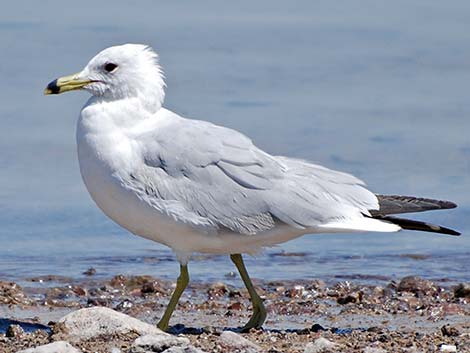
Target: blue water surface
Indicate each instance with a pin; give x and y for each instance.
(379, 89)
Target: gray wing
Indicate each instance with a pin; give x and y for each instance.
(395, 204)
(204, 174)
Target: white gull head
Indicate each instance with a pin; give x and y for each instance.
(123, 72)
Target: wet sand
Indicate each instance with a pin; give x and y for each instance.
(410, 315)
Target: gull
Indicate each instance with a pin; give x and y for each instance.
(201, 188)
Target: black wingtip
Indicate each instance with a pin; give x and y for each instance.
(411, 224)
(449, 205)
(451, 232)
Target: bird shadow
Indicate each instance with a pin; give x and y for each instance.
(182, 329)
(28, 327)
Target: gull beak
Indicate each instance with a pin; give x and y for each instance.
(66, 83)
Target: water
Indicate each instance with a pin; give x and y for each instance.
(380, 91)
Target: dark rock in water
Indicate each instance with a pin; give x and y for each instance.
(90, 272)
(462, 290)
(416, 285)
(317, 328)
(51, 278)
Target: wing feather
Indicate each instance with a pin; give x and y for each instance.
(219, 179)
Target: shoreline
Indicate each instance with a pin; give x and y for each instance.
(412, 313)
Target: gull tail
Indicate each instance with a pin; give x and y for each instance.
(395, 204)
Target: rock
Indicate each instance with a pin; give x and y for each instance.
(449, 331)
(374, 350)
(56, 347)
(346, 300)
(218, 289)
(297, 291)
(151, 288)
(12, 294)
(236, 306)
(51, 278)
(317, 285)
(321, 345)
(131, 283)
(448, 348)
(157, 343)
(462, 290)
(90, 272)
(232, 341)
(87, 323)
(79, 291)
(411, 349)
(14, 331)
(317, 328)
(188, 349)
(416, 285)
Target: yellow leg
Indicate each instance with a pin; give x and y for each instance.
(259, 312)
(181, 284)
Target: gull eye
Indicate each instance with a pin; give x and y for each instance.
(110, 67)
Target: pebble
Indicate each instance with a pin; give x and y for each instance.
(151, 288)
(188, 349)
(449, 331)
(218, 289)
(448, 348)
(232, 341)
(12, 293)
(157, 343)
(416, 285)
(374, 350)
(346, 300)
(14, 331)
(320, 345)
(462, 290)
(236, 306)
(56, 347)
(297, 292)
